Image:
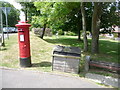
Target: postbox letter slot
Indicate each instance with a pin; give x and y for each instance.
(21, 30)
(21, 37)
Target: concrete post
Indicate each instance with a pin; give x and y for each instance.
(87, 60)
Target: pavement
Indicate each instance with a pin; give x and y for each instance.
(106, 80)
(32, 79)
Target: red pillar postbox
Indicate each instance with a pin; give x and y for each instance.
(24, 44)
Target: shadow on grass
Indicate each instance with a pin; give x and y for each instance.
(3, 49)
(105, 46)
(66, 41)
(42, 64)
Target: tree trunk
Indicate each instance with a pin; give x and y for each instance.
(96, 27)
(79, 33)
(26, 13)
(84, 27)
(43, 31)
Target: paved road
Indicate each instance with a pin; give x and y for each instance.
(31, 79)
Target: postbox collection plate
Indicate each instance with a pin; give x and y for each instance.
(21, 37)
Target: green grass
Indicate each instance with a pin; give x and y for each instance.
(108, 48)
(108, 51)
(41, 51)
(9, 53)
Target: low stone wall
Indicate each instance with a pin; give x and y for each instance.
(38, 31)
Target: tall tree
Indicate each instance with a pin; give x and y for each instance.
(109, 17)
(30, 10)
(84, 27)
(59, 15)
(68, 17)
(97, 11)
(45, 12)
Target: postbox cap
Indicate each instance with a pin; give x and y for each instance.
(22, 24)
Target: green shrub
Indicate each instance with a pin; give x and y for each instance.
(60, 32)
(53, 31)
(115, 35)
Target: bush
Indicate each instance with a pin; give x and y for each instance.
(60, 32)
(54, 31)
(69, 33)
(115, 35)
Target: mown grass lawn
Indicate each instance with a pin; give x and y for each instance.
(108, 49)
(41, 51)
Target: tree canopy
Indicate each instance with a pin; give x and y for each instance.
(67, 16)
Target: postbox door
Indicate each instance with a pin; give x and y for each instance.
(22, 44)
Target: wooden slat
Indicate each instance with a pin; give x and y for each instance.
(105, 63)
(65, 56)
(111, 66)
(66, 63)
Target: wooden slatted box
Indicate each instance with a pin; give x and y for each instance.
(66, 59)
